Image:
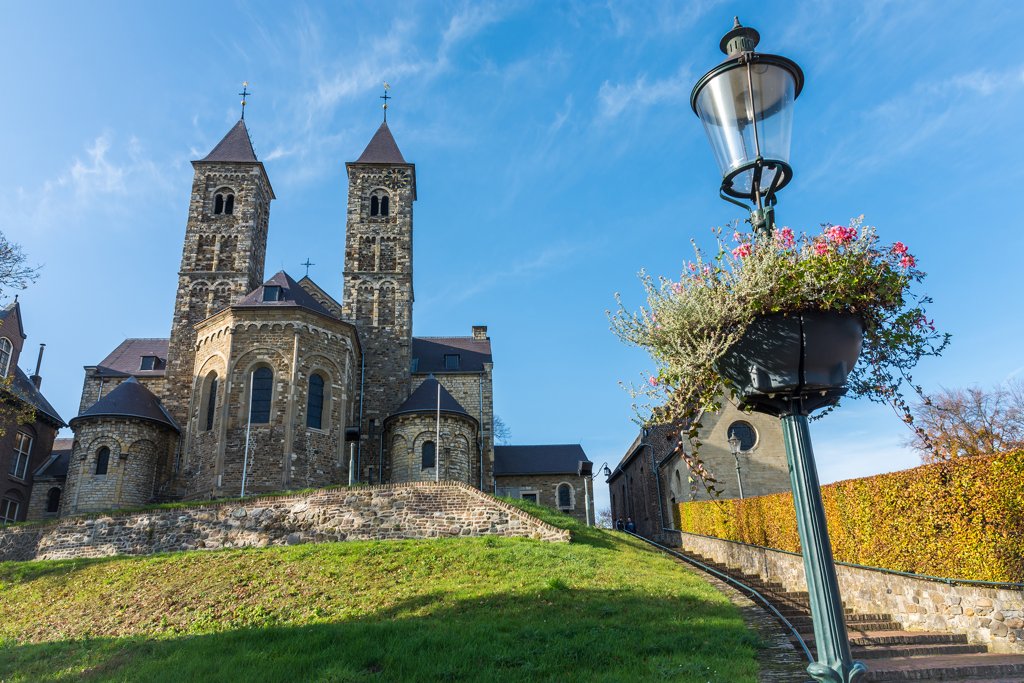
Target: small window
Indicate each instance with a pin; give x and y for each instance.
(262, 392)
(532, 496)
(22, 452)
(8, 511)
(218, 204)
(429, 455)
(5, 355)
(745, 433)
(374, 205)
(315, 402)
(564, 496)
(211, 402)
(273, 293)
(415, 364)
(229, 204)
(384, 205)
(451, 361)
(53, 499)
(102, 460)
(149, 363)
(379, 203)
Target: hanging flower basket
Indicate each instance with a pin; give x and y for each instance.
(772, 318)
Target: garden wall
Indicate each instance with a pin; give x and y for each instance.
(961, 519)
(405, 511)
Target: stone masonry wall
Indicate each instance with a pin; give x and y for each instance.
(407, 511)
(546, 487)
(989, 615)
(457, 454)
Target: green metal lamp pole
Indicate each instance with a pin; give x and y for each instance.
(746, 106)
(835, 663)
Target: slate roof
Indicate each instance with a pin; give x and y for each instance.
(130, 399)
(382, 149)
(429, 352)
(424, 400)
(6, 311)
(236, 146)
(293, 295)
(56, 466)
(126, 359)
(547, 459)
(23, 388)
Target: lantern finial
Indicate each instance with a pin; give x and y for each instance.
(740, 39)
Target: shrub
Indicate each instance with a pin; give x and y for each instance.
(958, 519)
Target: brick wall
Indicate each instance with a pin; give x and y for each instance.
(407, 511)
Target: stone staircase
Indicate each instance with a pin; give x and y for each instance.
(891, 653)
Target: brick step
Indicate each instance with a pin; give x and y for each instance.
(872, 652)
(804, 623)
(948, 668)
(870, 638)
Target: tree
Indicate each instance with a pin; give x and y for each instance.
(964, 423)
(502, 433)
(15, 273)
(604, 518)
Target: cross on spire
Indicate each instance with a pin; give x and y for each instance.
(245, 93)
(307, 264)
(386, 97)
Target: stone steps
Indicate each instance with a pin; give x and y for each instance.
(891, 653)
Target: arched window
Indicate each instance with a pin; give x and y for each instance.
(5, 355)
(53, 499)
(102, 460)
(315, 402)
(262, 391)
(429, 455)
(374, 205)
(379, 203)
(211, 401)
(564, 496)
(384, 205)
(229, 204)
(218, 204)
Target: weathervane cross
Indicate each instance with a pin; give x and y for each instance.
(307, 264)
(245, 93)
(386, 97)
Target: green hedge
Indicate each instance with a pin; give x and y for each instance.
(959, 519)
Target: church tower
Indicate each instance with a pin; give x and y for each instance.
(225, 247)
(378, 282)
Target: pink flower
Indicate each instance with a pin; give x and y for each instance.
(899, 248)
(692, 267)
(785, 238)
(908, 261)
(652, 380)
(737, 237)
(820, 248)
(840, 234)
(741, 251)
(677, 288)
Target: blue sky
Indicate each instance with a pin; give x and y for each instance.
(556, 156)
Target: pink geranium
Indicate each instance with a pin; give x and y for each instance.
(899, 248)
(741, 251)
(839, 234)
(652, 380)
(785, 238)
(820, 248)
(908, 261)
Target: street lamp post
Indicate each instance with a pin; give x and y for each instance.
(585, 469)
(746, 106)
(734, 446)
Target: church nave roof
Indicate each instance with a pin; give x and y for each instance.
(288, 292)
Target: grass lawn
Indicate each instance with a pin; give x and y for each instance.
(602, 608)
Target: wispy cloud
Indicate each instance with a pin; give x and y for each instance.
(615, 99)
(657, 18)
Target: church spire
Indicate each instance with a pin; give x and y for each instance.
(236, 146)
(382, 149)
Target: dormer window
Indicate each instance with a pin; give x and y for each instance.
(149, 363)
(451, 361)
(273, 293)
(379, 203)
(224, 203)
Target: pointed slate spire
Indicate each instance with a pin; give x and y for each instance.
(236, 146)
(424, 400)
(382, 149)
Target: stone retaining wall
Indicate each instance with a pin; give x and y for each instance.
(988, 615)
(418, 510)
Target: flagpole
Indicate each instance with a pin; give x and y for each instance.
(437, 438)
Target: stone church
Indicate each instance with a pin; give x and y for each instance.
(269, 385)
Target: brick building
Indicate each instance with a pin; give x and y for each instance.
(270, 385)
(653, 477)
(24, 446)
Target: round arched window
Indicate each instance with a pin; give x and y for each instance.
(745, 433)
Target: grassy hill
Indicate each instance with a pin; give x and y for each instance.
(602, 608)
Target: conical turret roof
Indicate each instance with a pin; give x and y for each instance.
(130, 399)
(424, 400)
(382, 149)
(236, 146)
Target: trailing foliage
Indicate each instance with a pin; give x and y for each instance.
(689, 324)
(961, 519)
